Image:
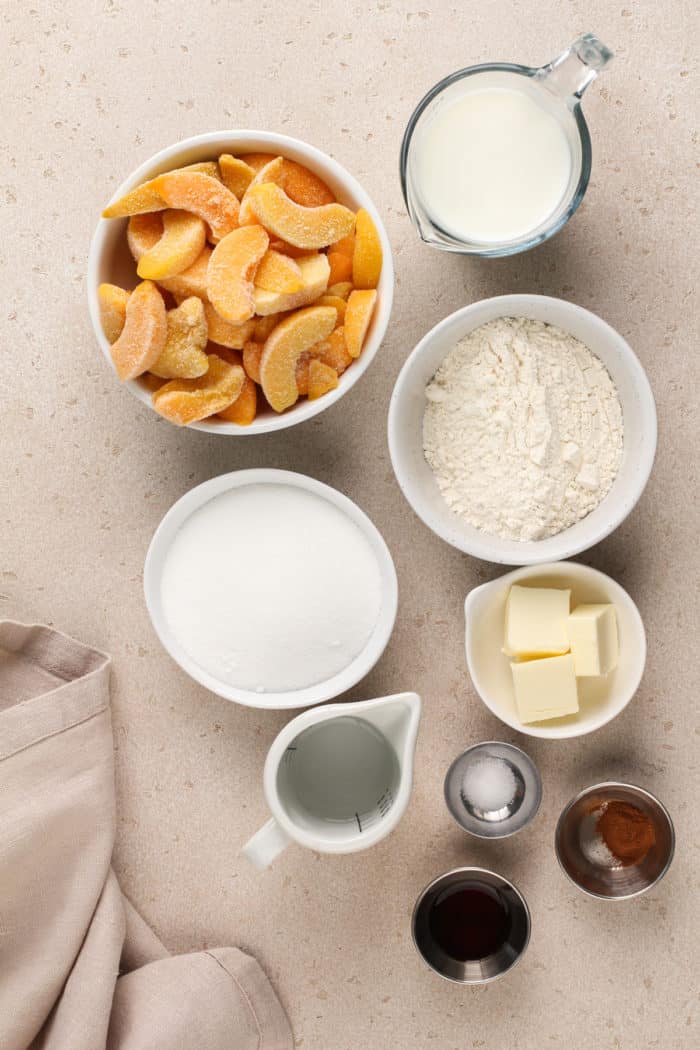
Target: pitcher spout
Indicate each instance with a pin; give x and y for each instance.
(398, 718)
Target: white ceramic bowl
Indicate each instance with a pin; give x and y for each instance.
(406, 429)
(600, 699)
(315, 694)
(110, 259)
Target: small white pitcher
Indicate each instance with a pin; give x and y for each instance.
(338, 778)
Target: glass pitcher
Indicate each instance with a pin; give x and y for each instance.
(555, 90)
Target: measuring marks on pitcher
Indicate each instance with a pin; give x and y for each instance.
(343, 770)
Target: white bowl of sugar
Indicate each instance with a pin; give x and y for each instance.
(270, 588)
(629, 386)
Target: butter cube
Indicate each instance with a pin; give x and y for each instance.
(592, 633)
(545, 688)
(536, 621)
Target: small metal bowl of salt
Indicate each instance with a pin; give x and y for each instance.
(493, 789)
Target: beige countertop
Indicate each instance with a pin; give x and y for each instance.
(90, 91)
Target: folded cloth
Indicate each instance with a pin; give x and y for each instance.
(79, 968)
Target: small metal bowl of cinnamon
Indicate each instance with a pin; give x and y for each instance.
(614, 840)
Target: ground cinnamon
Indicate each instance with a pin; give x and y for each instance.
(626, 831)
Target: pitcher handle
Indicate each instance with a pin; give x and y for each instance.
(266, 844)
(569, 74)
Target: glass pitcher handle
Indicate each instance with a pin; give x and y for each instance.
(570, 73)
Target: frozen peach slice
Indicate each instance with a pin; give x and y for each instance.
(346, 245)
(287, 249)
(314, 273)
(335, 353)
(341, 267)
(183, 355)
(184, 236)
(342, 289)
(322, 378)
(271, 172)
(301, 373)
(145, 198)
(304, 187)
(252, 354)
(226, 334)
(244, 409)
(298, 182)
(231, 271)
(143, 233)
(264, 325)
(303, 227)
(278, 273)
(203, 195)
(151, 383)
(206, 167)
(185, 401)
(225, 353)
(284, 347)
(112, 301)
(302, 369)
(357, 318)
(335, 301)
(144, 333)
(367, 256)
(236, 175)
(192, 281)
(203, 167)
(256, 161)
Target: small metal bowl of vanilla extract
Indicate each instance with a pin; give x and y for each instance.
(615, 841)
(471, 925)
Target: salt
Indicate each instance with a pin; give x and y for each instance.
(489, 784)
(271, 588)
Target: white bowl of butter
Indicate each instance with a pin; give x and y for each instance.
(601, 698)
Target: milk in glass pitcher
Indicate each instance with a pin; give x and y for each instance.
(497, 157)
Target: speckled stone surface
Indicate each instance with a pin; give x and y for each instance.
(92, 89)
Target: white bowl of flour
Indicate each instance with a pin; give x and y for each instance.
(270, 588)
(522, 429)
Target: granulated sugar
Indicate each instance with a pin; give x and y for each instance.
(271, 588)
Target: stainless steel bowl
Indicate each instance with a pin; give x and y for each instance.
(473, 971)
(589, 866)
(515, 813)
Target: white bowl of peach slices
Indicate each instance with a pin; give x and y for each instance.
(240, 282)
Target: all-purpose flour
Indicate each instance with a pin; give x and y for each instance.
(271, 588)
(523, 429)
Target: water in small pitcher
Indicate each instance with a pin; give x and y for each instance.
(342, 769)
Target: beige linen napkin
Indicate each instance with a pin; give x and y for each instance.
(79, 968)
